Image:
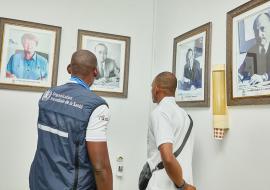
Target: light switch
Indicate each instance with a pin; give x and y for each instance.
(120, 166)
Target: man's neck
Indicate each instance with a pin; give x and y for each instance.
(28, 55)
(159, 99)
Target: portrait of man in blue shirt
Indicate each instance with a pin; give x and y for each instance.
(27, 64)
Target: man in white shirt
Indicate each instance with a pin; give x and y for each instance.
(167, 128)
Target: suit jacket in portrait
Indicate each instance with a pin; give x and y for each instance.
(255, 63)
(108, 69)
(194, 74)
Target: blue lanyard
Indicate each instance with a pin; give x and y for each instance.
(80, 82)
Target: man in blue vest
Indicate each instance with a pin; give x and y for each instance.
(72, 149)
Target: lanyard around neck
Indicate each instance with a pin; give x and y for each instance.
(80, 82)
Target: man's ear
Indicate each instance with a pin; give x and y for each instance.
(95, 72)
(156, 90)
(69, 69)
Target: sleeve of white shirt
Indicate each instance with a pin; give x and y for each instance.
(163, 131)
(97, 126)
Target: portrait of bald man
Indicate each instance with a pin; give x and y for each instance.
(256, 66)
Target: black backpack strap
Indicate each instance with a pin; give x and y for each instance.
(160, 164)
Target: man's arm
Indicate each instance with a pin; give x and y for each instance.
(170, 163)
(43, 63)
(116, 69)
(96, 142)
(9, 73)
(255, 79)
(98, 154)
(243, 72)
(172, 167)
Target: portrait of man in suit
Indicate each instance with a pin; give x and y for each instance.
(107, 67)
(192, 72)
(256, 65)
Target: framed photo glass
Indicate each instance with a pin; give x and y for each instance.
(248, 54)
(112, 52)
(191, 64)
(29, 55)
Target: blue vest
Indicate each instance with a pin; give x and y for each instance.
(61, 160)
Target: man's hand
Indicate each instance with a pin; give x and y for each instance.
(186, 80)
(192, 87)
(9, 75)
(255, 79)
(189, 187)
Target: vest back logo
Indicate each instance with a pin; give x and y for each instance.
(46, 96)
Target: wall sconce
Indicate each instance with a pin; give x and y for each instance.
(220, 112)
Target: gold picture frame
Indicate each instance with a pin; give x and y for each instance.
(191, 65)
(29, 55)
(248, 68)
(112, 52)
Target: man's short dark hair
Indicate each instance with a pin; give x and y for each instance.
(82, 62)
(167, 82)
(189, 50)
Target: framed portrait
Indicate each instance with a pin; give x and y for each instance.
(248, 54)
(112, 52)
(191, 66)
(29, 55)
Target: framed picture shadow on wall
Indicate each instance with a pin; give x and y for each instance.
(248, 54)
(29, 55)
(191, 66)
(112, 52)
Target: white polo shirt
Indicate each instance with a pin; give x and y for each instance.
(97, 126)
(168, 124)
